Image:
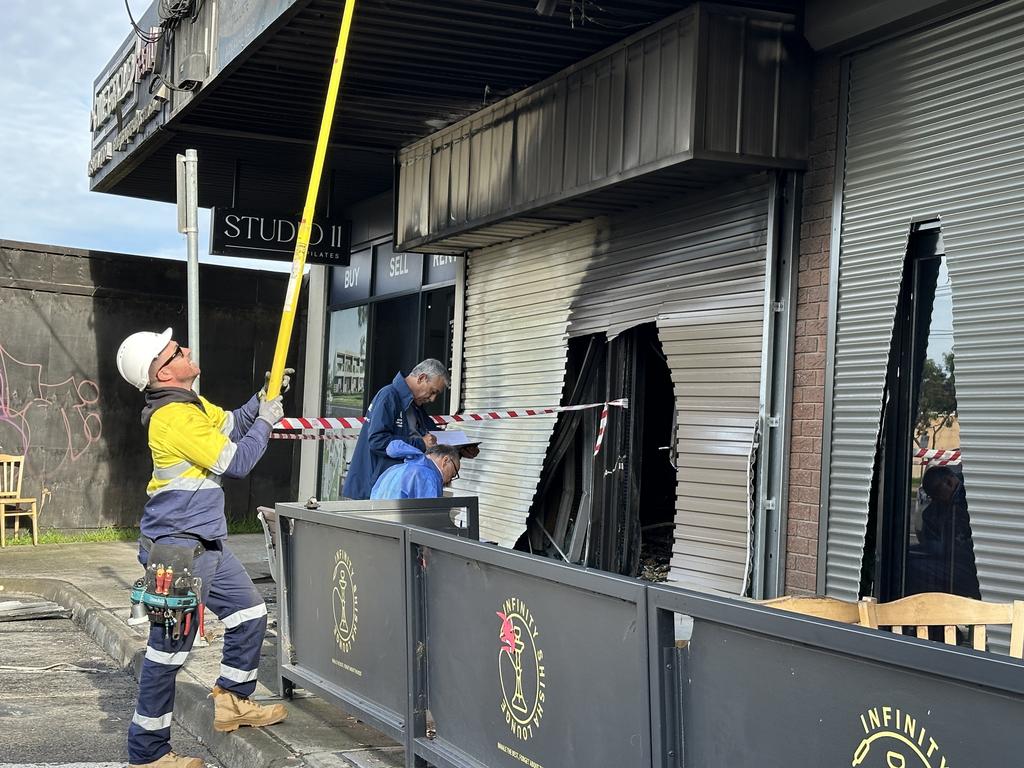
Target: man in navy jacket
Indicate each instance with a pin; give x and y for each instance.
(396, 413)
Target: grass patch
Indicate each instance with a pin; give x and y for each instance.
(24, 537)
(244, 526)
(74, 537)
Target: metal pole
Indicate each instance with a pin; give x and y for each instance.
(291, 299)
(192, 238)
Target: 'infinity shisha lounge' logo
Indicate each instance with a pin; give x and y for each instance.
(895, 739)
(345, 601)
(520, 669)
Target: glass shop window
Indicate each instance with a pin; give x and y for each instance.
(344, 388)
(922, 529)
(391, 310)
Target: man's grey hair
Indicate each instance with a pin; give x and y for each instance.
(433, 368)
(445, 450)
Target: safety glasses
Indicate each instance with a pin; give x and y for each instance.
(177, 353)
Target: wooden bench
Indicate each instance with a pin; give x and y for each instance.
(818, 606)
(937, 609)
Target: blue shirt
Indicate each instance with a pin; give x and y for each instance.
(417, 478)
(389, 420)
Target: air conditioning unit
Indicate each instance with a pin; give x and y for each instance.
(193, 70)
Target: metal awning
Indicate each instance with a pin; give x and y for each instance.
(711, 92)
(412, 68)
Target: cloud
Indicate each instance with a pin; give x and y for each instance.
(50, 54)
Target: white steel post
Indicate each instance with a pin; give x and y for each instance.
(188, 223)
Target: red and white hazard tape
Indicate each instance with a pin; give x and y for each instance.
(314, 422)
(356, 422)
(307, 436)
(600, 429)
(352, 423)
(936, 456)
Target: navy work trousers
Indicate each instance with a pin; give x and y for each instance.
(228, 592)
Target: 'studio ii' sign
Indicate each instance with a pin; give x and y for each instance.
(256, 235)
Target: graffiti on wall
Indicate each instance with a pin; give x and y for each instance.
(61, 416)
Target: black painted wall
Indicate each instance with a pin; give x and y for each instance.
(63, 314)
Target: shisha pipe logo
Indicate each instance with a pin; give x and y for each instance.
(520, 669)
(345, 601)
(900, 738)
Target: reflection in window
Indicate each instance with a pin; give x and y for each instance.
(921, 500)
(940, 550)
(345, 388)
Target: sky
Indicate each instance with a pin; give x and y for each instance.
(50, 53)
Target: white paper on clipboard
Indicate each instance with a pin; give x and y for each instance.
(454, 437)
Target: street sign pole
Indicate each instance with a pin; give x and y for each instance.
(188, 223)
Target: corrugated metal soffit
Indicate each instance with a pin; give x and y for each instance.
(934, 128)
(711, 92)
(518, 301)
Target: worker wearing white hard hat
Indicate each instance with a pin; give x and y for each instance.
(137, 353)
(194, 444)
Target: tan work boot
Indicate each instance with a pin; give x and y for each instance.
(231, 711)
(171, 760)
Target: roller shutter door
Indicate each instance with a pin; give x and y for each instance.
(935, 128)
(693, 263)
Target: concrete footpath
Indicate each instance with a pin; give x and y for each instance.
(94, 581)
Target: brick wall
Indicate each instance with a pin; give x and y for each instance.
(811, 329)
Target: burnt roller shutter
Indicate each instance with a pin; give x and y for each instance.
(695, 266)
(518, 299)
(935, 128)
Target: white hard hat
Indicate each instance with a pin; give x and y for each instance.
(137, 353)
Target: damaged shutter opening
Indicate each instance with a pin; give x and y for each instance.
(695, 266)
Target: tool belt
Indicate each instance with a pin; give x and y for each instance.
(169, 592)
(202, 545)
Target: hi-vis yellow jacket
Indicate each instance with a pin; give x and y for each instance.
(194, 443)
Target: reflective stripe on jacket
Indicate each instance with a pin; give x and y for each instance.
(193, 445)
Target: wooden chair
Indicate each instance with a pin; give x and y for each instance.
(818, 606)
(937, 609)
(11, 470)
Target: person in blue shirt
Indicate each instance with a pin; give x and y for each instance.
(421, 475)
(396, 413)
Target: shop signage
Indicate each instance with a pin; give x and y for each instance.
(396, 272)
(120, 83)
(261, 235)
(440, 269)
(352, 283)
(122, 105)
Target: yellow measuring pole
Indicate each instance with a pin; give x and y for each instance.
(291, 299)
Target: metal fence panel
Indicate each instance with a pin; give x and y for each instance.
(518, 660)
(343, 613)
(763, 687)
(525, 661)
(457, 516)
